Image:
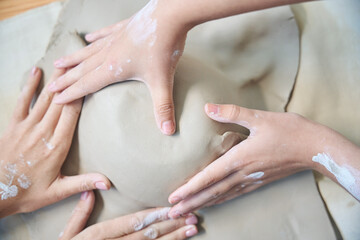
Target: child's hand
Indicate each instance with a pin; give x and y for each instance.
(146, 47)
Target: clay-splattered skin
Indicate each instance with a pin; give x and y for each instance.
(144, 47)
(347, 176)
(14, 180)
(279, 144)
(154, 38)
(32, 150)
(149, 224)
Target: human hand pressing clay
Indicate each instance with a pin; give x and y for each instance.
(279, 144)
(144, 165)
(148, 224)
(146, 47)
(33, 149)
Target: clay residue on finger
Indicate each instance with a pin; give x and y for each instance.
(255, 175)
(152, 217)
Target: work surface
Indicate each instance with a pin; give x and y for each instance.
(10, 8)
(338, 207)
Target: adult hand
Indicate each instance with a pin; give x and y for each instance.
(148, 224)
(33, 149)
(145, 47)
(274, 149)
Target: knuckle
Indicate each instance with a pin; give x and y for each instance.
(164, 109)
(85, 186)
(215, 193)
(45, 97)
(209, 180)
(136, 223)
(233, 113)
(151, 233)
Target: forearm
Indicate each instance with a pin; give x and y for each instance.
(193, 12)
(339, 159)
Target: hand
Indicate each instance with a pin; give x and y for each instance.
(279, 144)
(145, 47)
(33, 149)
(148, 224)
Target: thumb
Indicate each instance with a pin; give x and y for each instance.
(67, 186)
(162, 96)
(231, 114)
(79, 216)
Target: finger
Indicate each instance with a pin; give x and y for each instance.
(80, 55)
(92, 63)
(67, 186)
(164, 110)
(181, 233)
(125, 225)
(52, 116)
(157, 230)
(101, 33)
(232, 114)
(207, 195)
(91, 82)
(79, 216)
(67, 123)
(43, 102)
(214, 172)
(27, 94)
(238, 191)
(241, 189)
(233, 182)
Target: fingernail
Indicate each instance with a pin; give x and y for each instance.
(191, 231)
(59, 62)
(84, 195)
(88, 37)
(191, 220)
(168, 127)
(175, 199)
(52, 86)
(212, 109)
(101, 186)
(34, 70)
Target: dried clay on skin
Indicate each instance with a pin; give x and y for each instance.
(161, 214)
(342, 173)
(142, 26)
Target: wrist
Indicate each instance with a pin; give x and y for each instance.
(178, 15)
(333, 148)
